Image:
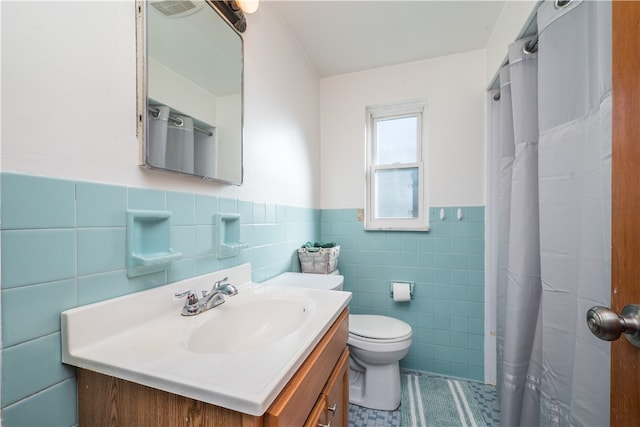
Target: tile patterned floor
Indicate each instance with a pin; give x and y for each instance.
(365, 417)
(485, 395)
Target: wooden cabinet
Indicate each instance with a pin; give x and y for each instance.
(307, 399)
(293, 406)
(331, 409)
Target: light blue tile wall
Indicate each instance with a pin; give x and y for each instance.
(63, 245)
(447, 266)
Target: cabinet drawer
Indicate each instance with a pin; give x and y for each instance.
(293, 406)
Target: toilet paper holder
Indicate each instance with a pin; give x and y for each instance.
(400, 281)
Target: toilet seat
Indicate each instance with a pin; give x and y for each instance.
(378, 329)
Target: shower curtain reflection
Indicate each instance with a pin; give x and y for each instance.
(180, 145)
(175, 142)
(158, 127)
(204, 153)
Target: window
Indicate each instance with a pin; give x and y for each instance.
(396, 190)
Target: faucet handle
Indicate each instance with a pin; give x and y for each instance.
(217, 284)
(192, 298)
(191, 305)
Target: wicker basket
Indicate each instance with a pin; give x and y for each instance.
(323, 261)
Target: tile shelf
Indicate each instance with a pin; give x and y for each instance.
(156, 259)
(149, 242)
(229, 243)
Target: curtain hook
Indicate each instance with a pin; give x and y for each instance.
(530, 47)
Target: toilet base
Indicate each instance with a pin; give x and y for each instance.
(376, 387)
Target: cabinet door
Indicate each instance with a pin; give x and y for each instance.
(319, 414)
(337, 392)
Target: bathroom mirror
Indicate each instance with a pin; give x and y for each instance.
(190, 90)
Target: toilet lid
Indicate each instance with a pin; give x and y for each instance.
(378, 327)
(328, 282)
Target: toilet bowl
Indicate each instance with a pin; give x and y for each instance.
(376, 345)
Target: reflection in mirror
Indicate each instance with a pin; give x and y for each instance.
(192, 79)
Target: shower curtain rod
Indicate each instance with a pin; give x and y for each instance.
(177, 120)
(529, 47)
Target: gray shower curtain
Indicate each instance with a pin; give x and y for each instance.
(204, 147)
(157, 139)
(553, 221)
(180, 144)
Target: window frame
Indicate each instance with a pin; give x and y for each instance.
(416, 109)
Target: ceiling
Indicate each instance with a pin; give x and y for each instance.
(344, 36)
(176, 43)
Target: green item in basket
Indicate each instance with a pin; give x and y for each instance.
(315, 247)
(325, 245)
(310, 248)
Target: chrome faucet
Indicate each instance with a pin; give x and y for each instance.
(209, 300)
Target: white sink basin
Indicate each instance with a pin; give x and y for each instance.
(240, 325)
(239, 355)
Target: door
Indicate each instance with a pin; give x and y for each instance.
(625, 200)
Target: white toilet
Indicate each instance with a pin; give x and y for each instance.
(376, 345)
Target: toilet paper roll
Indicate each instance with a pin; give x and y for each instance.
(401, 291)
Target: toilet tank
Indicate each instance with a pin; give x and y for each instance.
(331, 282)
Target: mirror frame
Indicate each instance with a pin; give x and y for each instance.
(219, 7)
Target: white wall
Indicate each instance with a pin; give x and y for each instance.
(454, 87)
(170, 88)
(69, 102)
(508, 28)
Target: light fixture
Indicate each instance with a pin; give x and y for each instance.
(230, 10)
(233, 11)
(248, 6)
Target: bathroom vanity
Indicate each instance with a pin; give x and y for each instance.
(316, 395)
(266, 357)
